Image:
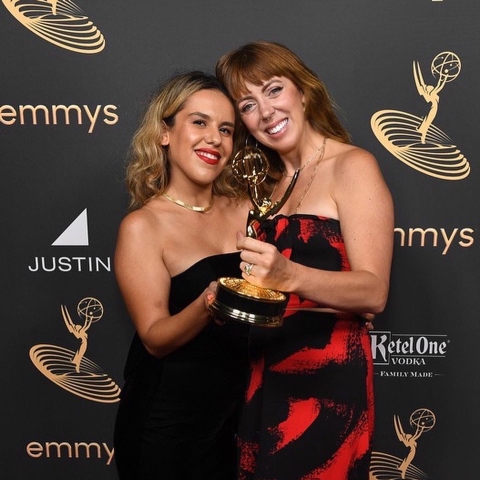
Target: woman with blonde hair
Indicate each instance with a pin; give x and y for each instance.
(184, 374)
(309, 408)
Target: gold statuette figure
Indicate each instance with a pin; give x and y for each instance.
(237, 299)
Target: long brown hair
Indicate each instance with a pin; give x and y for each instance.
(256, 63)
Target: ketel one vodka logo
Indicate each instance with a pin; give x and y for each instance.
(72, 370)
(402, 351)
(59, 22)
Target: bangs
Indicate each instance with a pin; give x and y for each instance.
(249, 69)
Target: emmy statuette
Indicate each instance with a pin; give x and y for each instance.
(237, 299)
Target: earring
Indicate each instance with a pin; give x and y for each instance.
(250, 165)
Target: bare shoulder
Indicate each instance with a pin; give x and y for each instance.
(138, 221)
(350, 157)
(356, 175)
(352, 164)
(142, 225)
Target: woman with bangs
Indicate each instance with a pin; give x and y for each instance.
(309, 407)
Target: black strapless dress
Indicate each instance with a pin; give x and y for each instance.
(309, 411)
(177, 416)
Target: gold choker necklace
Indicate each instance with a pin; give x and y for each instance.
(189, 207)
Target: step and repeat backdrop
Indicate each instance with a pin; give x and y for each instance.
(75, 78)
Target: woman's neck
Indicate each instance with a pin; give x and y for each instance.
(304, 153)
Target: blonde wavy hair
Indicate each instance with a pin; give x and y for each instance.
(148, 168)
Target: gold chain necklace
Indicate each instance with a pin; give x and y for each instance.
(309, 160)
(312, 176)
(189, 207)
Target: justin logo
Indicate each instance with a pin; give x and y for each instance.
(75, 235)
(71, 370)
(416, 141)
(60, 22)
(388, 467)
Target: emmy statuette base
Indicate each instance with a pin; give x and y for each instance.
(236, 299)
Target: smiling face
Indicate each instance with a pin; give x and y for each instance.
(273, 112)
(201, 140)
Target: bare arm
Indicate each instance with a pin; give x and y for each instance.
(365, 211)
(144, 282)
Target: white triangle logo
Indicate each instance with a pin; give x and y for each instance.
(76, 234)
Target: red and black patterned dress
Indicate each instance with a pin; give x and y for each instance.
(309, 412)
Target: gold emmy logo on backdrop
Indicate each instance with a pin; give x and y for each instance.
(385, 466)
(71, 370)
(416, 141)
(60, 22)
